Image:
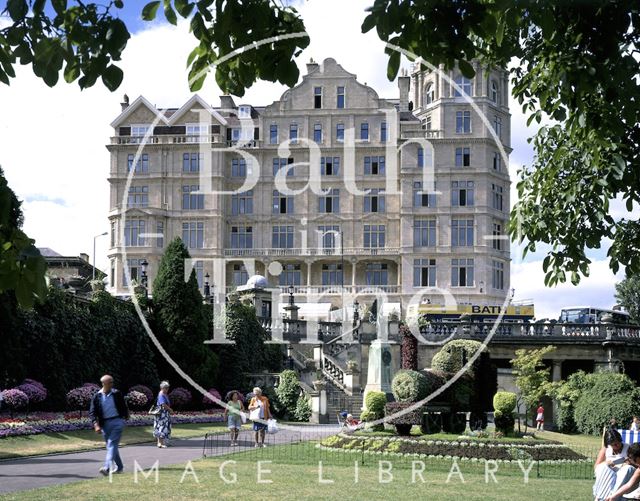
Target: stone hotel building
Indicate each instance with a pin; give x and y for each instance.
(213, 175)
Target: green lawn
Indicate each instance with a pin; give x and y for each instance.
(295, 475)
(73, 441)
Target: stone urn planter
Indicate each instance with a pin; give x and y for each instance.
(319, 385)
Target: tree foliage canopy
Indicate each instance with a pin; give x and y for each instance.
(85, 40)
(577, 65)
(22, 268)
(628, 295)
(532, 376)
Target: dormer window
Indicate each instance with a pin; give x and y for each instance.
(317, 97)
(139, 130)
(244, 111)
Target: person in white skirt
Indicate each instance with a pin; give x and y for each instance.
(540, 417)
(629, 489)
(611, 467)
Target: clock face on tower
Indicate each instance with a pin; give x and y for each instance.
(386, 357)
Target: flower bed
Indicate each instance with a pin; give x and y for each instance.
(463, 449)
(56, 422)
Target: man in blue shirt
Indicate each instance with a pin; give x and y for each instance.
(107, 413)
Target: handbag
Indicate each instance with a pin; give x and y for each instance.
(155, 410)
(243, 417)
(254, 414)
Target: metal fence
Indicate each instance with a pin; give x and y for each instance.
(302, 447)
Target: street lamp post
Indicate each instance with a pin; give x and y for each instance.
(144, 279)
(93, 277)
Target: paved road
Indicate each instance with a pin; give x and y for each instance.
(43, 471)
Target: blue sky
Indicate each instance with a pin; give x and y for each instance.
(52, 141)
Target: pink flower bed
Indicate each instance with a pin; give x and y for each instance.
(56, 422)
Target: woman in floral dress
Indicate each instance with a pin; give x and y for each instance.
(162, 420)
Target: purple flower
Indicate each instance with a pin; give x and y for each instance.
(15, 399)
(180, 397)
(79, 398)
(136, 399)
(145, 390)
(214, 393)
(35, 393)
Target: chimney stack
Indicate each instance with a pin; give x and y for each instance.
(404, 81)
(227, 103)
(84, 257)
(125, 102)
(311, 66)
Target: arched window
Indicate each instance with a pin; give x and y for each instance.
(465, 83)
(429, 94)
(494, 93)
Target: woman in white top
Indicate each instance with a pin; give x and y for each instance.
(623, 489)
(611, 469)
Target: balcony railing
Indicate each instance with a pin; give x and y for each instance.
(532, 332)
(347, 251)
(167, 139)
(334, 289)
(421, 134)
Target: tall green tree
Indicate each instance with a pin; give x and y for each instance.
(179, 318)
(250, 352)
(628, 295)
(22, 268)
(532, 375)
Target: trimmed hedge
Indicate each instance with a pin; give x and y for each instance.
(607, 396)
(375, 402)
(504, 402)
(404, 422)
(453, 355)
(409, 386)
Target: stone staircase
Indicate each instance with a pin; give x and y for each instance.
(338, 400)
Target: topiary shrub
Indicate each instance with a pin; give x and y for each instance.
(207, 401)
(78, 399)
(608, 396)
(455, 354)
(145, 390)
(504, 403)
(404, 422)
(303, 409)
(35, 393)
(15, 399)
(374, 402)
(136, 400)
(35, 390)
(180, 398)
(409, 386)
(288, 391)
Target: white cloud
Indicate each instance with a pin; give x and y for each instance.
(595, 290)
